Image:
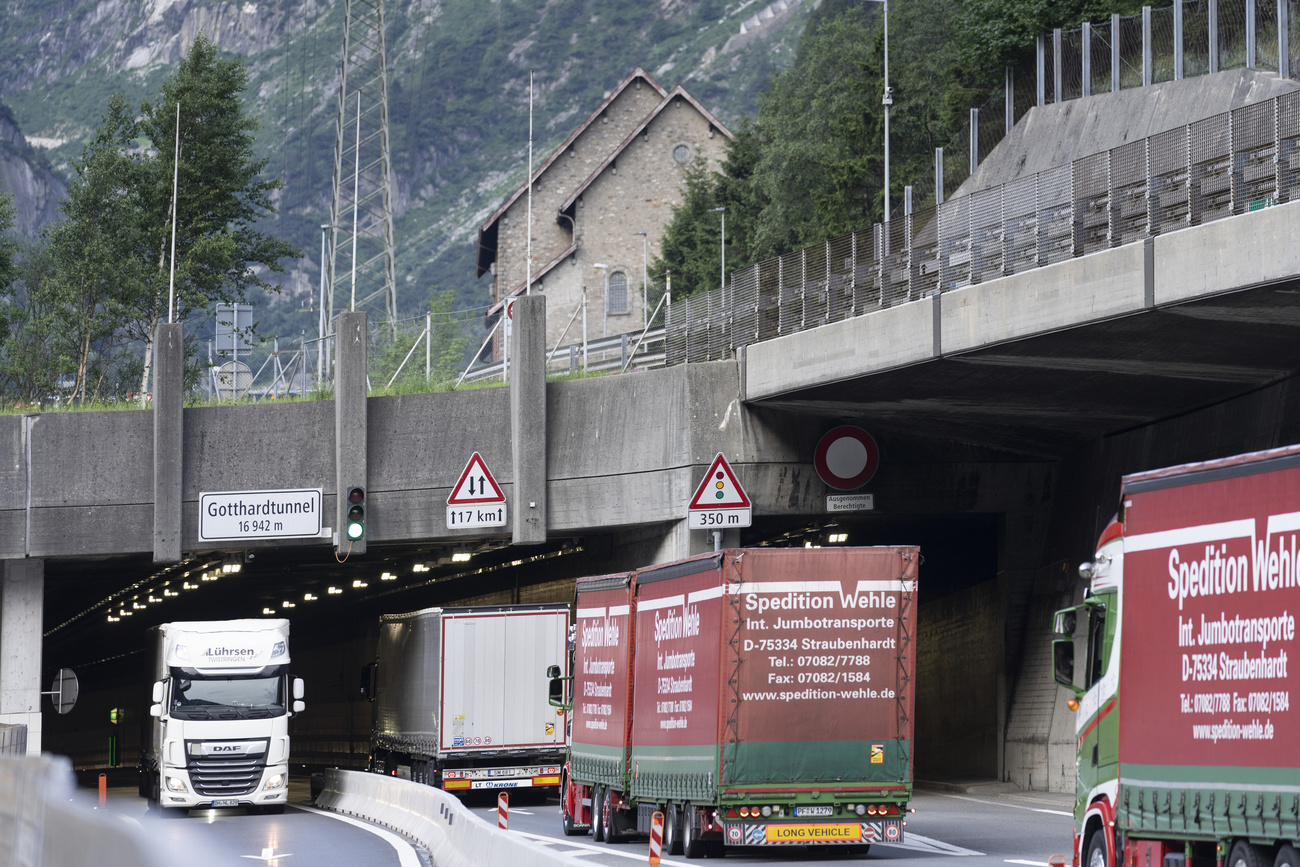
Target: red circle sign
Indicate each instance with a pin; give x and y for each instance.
(846, 458)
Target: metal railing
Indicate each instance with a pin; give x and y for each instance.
(604, 355)
(1214, 168)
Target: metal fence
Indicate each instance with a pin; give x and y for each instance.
(1228, 164)
(629, 351)
(1189, 38)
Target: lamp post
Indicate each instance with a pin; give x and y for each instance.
(722, 277)
(645, 291)
(604, 322)
(887, 100)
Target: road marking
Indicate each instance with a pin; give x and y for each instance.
(918, 843)
(268, 855)
(1030, 863)
(603, 850)
(405, 852)
(1013, 806)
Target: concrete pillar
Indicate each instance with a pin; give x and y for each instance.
(168, 436)
(22, 600)
(350, 426)
(528, 419)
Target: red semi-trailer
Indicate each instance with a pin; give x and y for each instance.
(754, 696)
(1188, 749)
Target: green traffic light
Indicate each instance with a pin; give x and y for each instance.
(355, 531)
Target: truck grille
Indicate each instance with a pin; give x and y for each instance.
(226, 776)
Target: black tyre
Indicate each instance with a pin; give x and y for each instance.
(692, 846)
(566, 817)
(1287, 856)
(1096, 854)
(598, 814)
(672, 829)
(1242, 854)
(612, 822)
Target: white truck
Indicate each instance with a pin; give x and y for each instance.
(460, 700)
(219, 733)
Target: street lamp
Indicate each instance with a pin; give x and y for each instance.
(604, 324)
(722, 279)
(645, 292)
(887, 100)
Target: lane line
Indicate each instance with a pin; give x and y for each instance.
(1030, 863)
(406, 856)
(1004, 804)
(604, 850)
(919, 843)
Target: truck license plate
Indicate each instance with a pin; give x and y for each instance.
(225, 803)
(824, 810)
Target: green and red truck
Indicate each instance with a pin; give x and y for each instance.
(1188, 749)
(753, 696)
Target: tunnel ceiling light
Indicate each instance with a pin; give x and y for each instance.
(388, 576)
(357, 582)
(419, 567)
(335, 590)
(287, 604)
(461, 556)
(268, 610)
(307, 597)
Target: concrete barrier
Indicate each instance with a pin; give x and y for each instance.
(453, 836)
(46, 822)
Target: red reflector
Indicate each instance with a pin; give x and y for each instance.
(731, 814)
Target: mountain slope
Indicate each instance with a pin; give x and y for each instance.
(458, 95)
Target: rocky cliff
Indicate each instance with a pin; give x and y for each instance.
(25, 175)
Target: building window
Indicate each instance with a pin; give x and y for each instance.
(682, 153)
(617, 299)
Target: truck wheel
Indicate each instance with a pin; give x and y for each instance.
(1096, 850)
(1242, 854)
(672, 829)
(692, 846)
(611, 823)
(566, 814)
(598, 814)
(1287, 856)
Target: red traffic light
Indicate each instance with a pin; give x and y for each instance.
(356, 495)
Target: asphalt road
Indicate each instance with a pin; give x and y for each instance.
(987, 826)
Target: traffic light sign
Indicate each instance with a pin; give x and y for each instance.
(356, 514)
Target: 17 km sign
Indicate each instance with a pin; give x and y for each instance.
(476, 500)
(719, 502)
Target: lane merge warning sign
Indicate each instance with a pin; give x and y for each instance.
(720, 502)
(476, 500)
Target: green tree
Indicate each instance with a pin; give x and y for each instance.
(222, 194)
(447, 347)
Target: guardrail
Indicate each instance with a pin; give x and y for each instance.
(1229, 164)
(46, 822)
(604, 355)
(452, 835)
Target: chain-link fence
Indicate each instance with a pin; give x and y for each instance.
(1228, 164)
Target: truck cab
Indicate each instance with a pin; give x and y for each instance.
(221, 701)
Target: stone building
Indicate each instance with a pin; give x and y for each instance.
(620, 173)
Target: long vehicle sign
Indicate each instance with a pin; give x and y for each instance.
(280, 514)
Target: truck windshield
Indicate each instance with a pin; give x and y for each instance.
(212, 697)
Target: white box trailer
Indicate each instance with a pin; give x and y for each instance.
(219, 724)
(461, 698)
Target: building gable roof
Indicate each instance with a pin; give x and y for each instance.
(489, 225)
(676, 92)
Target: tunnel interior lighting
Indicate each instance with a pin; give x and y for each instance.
(419, 567)
(357, 582)
(460, 557)
(268, 610)
(287, 604)
(335, 590)
(388, 576)
(307, 597)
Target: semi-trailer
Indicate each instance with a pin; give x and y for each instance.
(1188, 750)
(755, 697)
(218, 728)
(458, 700)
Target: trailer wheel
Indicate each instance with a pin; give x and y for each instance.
(672, 829)
(1287, 856)
(1242, 854)
(692, 845)
(1096, 850)
(598, 815)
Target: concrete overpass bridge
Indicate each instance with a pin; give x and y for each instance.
(1011, 371)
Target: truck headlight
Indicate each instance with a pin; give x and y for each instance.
(274, 783)
(176, 784)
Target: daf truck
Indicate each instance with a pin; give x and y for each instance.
(1180, 662)
(459, 702)
(755, 697)
(218, 728)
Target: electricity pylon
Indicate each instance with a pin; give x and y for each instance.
(361, 273)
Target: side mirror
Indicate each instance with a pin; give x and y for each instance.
(299, 706)
(298, 688)
(1066, 621)
(552, 671)
(1063, 664)
(157, 693)
(155, 710)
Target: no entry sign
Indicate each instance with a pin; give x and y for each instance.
(846, 458)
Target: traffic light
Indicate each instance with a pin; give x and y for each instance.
(356, 514)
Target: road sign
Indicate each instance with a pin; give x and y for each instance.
(720, 503)
(281, 514)
(846, 457)
(476, 500)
